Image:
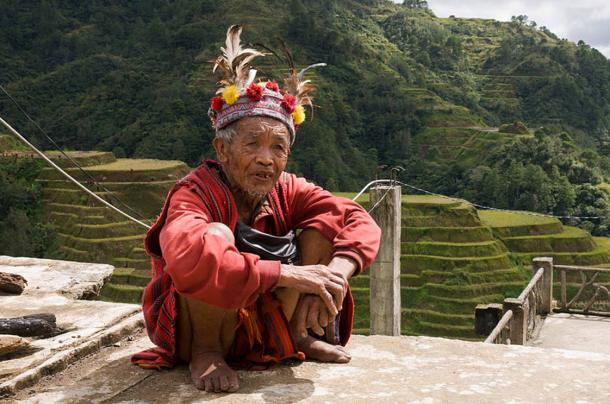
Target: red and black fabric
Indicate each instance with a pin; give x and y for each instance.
(292, 203)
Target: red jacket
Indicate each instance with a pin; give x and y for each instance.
(212, 270)
(208, 268)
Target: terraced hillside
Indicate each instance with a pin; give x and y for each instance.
(529, 236)
(90, 232)
(452, 256)
(538, 236)
(466, 144)
(450, 262)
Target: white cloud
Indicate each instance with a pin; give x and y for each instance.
(588, 20)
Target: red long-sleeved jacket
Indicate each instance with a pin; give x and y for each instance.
(208, 268)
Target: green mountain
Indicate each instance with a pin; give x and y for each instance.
(401, 87)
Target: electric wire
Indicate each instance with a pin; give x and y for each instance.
(476, 205)
(93, 180)
(76, 182)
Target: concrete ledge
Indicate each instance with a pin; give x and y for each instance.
(88, 325)
(383, 369)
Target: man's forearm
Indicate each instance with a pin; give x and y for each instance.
(344, 266)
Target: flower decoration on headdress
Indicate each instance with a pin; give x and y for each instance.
(254, 92)
(272, 85)
(239, 96)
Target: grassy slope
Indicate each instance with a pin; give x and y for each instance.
(143, 88)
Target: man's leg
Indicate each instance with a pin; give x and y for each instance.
(314, 249)
(205, 334)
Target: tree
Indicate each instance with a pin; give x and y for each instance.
(415, 3)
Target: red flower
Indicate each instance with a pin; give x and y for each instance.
(217, 103)
(289, 102)
(272, 85)
(254, 92)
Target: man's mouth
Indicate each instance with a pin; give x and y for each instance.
(263, 176)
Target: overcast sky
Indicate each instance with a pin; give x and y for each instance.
(588, 20)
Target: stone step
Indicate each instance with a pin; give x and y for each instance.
(440, 221)
(122, 293)
(446, 234)
(464, 320)
(442, 249)
(513, 288)
(410, 263)
(572, 239)
(137, 263)
(461, 305)
(500, 275)
(131, 276)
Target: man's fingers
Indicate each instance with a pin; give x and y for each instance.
(312, 318)
(301, 319)
(337, 292)
(327, 298)
(323, 317)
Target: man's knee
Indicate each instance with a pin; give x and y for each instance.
(314, 248)
(221, 230)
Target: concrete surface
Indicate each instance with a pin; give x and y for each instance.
(383, 369)
(576, 332)
(53, 287)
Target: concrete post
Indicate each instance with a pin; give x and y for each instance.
(547, 282)
(518, 324)
(385, 272)
(486, 317)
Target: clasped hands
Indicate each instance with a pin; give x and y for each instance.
(323, 288)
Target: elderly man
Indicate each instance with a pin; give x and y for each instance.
(231, 286)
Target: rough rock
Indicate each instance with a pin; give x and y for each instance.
(10, 344)
(12, 283)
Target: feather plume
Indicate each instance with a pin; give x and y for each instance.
(294, 83)
(234, 62)
(313, 66)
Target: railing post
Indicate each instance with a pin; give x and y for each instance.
(518, 326)
(385, 272)
(564, 291)
(547, 282)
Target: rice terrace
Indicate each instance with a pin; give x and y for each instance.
(427, 180)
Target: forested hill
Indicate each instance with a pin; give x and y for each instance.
(134, 78)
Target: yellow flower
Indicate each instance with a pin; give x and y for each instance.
(230, 94)
(298, 115)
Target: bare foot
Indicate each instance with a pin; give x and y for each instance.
(210, 372)
(322, 351)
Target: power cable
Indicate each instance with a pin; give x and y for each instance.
(77, 183)
(93, 180)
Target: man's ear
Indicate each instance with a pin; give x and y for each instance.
(221, 148)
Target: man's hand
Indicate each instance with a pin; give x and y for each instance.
(311, 313)
(317, 280)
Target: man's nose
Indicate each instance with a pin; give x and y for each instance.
(264, 156)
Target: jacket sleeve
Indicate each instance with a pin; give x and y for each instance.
(345, 223)
(208, 267)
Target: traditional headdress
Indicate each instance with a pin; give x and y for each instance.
(240, 96)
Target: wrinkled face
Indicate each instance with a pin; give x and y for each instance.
(257, 154)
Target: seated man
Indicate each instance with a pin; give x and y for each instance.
(228, 289)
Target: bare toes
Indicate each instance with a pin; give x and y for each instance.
(233, 383)
(224, 383)
(209, 387)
